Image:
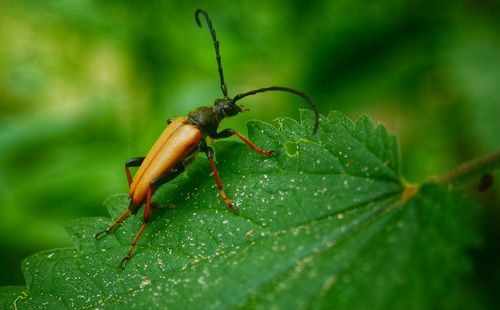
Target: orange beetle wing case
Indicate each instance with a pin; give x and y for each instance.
(175, 144)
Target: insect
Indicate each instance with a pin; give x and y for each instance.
(182, 139)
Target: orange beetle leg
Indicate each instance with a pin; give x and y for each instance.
(147, 212)
(210, 155)
(113, 226)
(132, 162)
(153, 185)
(229, 132)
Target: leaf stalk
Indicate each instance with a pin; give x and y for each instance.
(470, 170)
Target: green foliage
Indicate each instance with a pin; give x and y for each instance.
(327, 222)
(85, 85)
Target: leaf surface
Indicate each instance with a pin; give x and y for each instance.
(325, 222)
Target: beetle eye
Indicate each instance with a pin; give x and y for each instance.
(231, 109)
(227, 107)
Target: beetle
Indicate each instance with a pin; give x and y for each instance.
(178, 144)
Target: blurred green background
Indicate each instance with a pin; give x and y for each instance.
(85, 85)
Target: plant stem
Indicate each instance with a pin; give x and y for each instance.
(470, 170)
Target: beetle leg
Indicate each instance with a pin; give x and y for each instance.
(226, 133)
(113, 226)
(147, 212)
(153, 185)
(210, 154)
(132, 162)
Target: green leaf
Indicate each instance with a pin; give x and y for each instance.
(327, 222)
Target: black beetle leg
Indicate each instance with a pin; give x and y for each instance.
(132, 162)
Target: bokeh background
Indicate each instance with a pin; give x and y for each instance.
(85, 85)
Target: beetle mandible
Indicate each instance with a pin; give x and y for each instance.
(177, 146)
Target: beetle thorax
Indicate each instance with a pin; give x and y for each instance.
(206, 119)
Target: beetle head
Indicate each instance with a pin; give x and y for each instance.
(226, 107)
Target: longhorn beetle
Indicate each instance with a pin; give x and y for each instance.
(177, 146)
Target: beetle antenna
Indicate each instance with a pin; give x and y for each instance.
(309, 100)
(216, 45)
